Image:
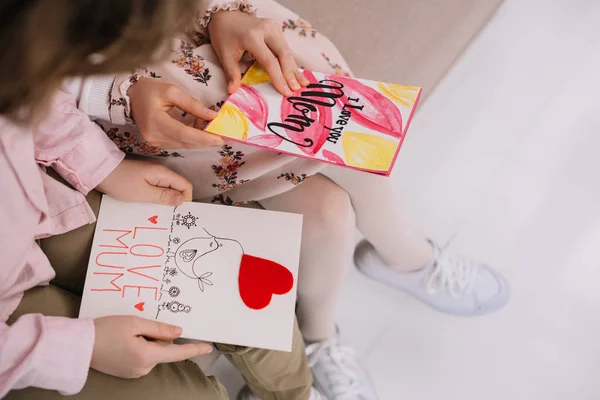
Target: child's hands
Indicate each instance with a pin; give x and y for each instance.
(122, 349)
(146, 182)
(234, 32)
(151, 100)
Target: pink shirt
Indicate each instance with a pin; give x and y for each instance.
(46, 352)
(49, 352)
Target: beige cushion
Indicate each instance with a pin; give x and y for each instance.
(411, 42)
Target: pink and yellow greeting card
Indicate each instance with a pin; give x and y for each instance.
(355, 123)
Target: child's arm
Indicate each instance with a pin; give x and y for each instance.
(74, 146)
(85, 157)
(52, 353)
(46, 352)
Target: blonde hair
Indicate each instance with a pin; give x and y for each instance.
(42, 42)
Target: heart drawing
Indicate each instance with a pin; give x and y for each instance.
(140, 306)
(153, 219)
(260, 279)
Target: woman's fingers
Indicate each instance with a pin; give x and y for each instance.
(287, 62)
(186, 135)
(230, 61)
(186, 102)
(302, 79)
(289, 68)
(263, 54)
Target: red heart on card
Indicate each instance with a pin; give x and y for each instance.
(260, 279)
(153, 219)
(140, 306)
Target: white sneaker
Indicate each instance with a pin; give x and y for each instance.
(337, 372)
(246, 394)
(450, 283)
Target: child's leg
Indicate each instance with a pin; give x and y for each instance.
(178, 381)
(69, 253)
(327, 246)
(273, 375)
(378, 207)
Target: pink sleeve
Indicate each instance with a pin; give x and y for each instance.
(74, 146)
(47, 352)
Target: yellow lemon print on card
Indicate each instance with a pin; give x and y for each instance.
(367, 151)
(230, 123)
(403, 95)
(255, 75)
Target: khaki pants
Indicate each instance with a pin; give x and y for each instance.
(271, 375)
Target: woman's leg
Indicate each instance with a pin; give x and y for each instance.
(393, 254)
(379, 218)
(327, 246)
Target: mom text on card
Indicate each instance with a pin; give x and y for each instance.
(326, 94)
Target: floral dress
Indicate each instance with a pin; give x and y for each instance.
(233, 174)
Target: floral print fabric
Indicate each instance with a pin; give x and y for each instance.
(233, 174)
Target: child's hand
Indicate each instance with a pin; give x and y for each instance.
(122, 347)
(146, 182)
(151, 101)
(234, 32)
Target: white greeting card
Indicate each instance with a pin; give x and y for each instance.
(224, 274)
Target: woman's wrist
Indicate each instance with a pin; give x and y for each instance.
(219, 6)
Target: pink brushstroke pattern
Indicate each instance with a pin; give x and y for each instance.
(332, 157)
(252, 104)
(379, 114)
(268, 140)
(316, 131)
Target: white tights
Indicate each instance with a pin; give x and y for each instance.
(328, 238)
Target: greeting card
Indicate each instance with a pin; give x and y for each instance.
(354, 123)
(224, 274)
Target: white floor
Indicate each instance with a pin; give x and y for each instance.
(505, 154)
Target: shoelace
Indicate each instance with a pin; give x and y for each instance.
(339, 367)
(452, 272)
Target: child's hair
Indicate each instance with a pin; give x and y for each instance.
(43, 42)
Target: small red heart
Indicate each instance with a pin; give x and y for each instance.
(260, 279)
(153, 219)
(140, 306)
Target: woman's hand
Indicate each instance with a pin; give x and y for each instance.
(234, 32)
(146, 182)
(123, 346)
(151, 101)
